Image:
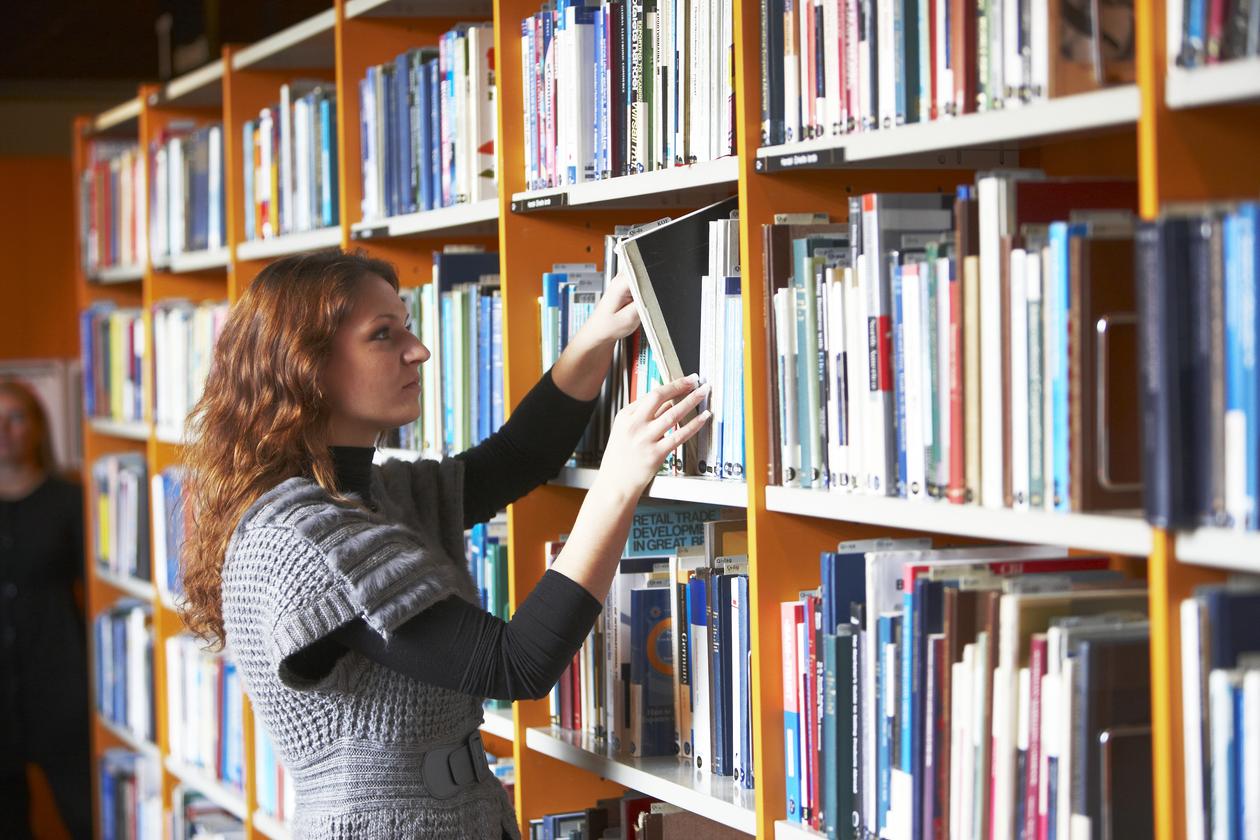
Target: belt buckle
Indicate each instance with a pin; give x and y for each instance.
(447, 769)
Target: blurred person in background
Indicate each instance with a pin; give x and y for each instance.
(43, 659)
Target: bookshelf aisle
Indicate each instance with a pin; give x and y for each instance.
(1185, 134)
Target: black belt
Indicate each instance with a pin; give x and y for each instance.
(445, 770)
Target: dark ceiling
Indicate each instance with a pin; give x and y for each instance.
(79, 39)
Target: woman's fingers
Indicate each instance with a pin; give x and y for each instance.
(671, 417)
(686, 433)
(657, 397)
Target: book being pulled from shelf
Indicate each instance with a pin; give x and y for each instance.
(204, 710)
(120, 515)
(841, 66)
(184, 335)
(290, 162)
(186, 194)
(273, 786)
(1210, 33)
(122, 655)
(991, 692)
(960, 348)
(111, 204)
(427, 121)
(622, 87)
(1197, 289)
(130, 786)
(1220, 706)
(170, 520)
(458, 316)
(666, 671)
(111, 343)
(633, 815)
(195, 817)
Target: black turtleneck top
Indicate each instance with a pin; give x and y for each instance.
(458, 645)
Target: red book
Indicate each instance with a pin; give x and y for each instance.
(1032, 770)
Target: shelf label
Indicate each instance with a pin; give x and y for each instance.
(542, 202)
(801, 160)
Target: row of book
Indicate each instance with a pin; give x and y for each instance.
(122, 654)
(832, 67)
(194, 816)
(1200, 398)
(976, 692)
(666, 670)
(184, 335)
(170, 519)
(632, 816)
(486, 546)
(458, 316)
(935, 346)
(120, 515)
(111, 344)
(130, 788)
(111, 204)
(273, 787)
(204, 710)
(290, 162)
(1220, 706)
(621, 87)
(427, 121)
(1202, 33)
(186, 206)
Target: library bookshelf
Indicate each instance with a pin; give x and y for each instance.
(1185, 136)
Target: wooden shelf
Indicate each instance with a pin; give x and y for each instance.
(678, 186)
(479, 217)
(1111, 534)
(1229, 82)
(1007, 128)
(1220, 548)
(142, 589)
(788, 830)
(118, 274)
(718, 798)
(306, 45)
(146, 748)
(269, 826)
(219, 258)
(499, 723)
(228, 798)
(674, 488)
(289, 243)
(202, 88)
(417, 8)
(128, 429)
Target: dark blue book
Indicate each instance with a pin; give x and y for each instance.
(651, 672)
(717, 614)
(389, 133)
(424, 134)
(435, 131)
(406, 197)
(1232, 625)
(452, 269)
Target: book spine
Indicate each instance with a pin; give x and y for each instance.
(790, 615)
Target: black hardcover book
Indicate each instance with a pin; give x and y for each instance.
(771, 72)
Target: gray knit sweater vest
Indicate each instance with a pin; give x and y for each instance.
(300, 565)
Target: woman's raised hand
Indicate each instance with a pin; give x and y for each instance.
(638, 441)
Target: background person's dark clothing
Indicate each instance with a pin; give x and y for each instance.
(43, 657)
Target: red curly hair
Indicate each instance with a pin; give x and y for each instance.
(262, 417)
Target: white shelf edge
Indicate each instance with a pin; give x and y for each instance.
(788, 830)
(499, 723)
(116, 116)
(668, 487)
(271, 827)
(1107, 108)
(652, 776)
(196, 80)
(1232, 81)
(199, 260)
(146, 748)
(119, 274)
(709, 173)
(289, 243)
(128, 429)
(220, 794)
(174, 437)
(1112, 534)
(142, 589)
(411, 8)
(296, 34)
(429, 221)
(1221, 548)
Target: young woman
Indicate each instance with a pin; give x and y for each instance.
(43, 659)
(341, 588)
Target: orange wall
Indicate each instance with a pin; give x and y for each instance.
(37, 299)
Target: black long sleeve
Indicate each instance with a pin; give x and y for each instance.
(457, 645)
(529, 449)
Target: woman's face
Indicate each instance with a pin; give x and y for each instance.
(17, 431)
(370, 381)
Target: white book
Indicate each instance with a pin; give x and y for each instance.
(830, 104)
(785, 338)
(700, 722)
(177, 202)
(912, 364)
(856, 361)
(944, 65)
(1052, 735)
(944, 368)
(216, 235)
(1024, 726)
(1019, 379)
(886, 39)
(1049, 358)
(838, 427)
(1250, 750)
(992, 198)
(1193, 715)
(1013, 81)
(1038, 37)
(980, 737)
(286, 159)
(965, 784)
(682, 81)
(717, 63)
(1221, 686)
(1064, 792)
(705, 440)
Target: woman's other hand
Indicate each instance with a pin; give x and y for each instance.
(640, 440)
